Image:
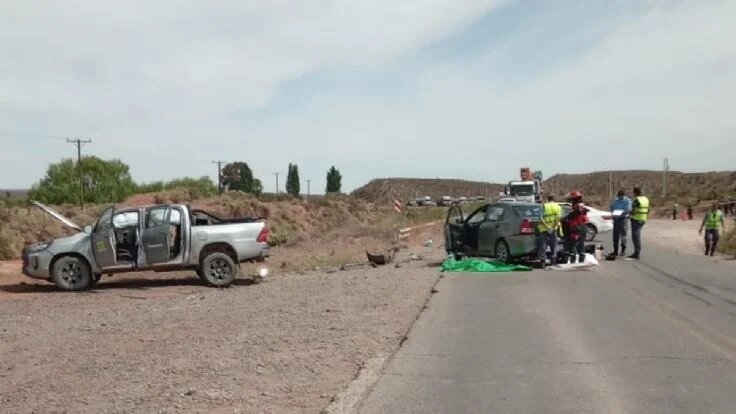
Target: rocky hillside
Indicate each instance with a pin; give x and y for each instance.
(683, 188)
(384, 190)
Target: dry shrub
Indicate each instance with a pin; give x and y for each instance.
(728, 243)
(8, 248)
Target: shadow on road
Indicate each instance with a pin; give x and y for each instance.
(123, 284)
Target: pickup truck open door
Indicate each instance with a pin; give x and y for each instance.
(156, 235)
(103, 240)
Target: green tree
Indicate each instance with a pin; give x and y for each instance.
(257, 187)
(203, 186)
(334, 180)
(293, 185)
(102, 182)
(237, 176)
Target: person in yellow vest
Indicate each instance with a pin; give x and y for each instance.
(547, 229)
(639, 216)
(711, 221)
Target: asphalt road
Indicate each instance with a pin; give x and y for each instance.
(650, 336)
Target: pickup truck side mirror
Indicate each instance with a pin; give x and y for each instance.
(88, 229)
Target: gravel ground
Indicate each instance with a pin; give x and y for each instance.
(167, 344)
(678, 235)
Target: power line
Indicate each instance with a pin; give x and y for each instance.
(710, 151)
(219, 175)
(55, 137)
(277, 182)
(665, 169)
(79, 142)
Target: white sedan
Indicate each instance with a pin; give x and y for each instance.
(599, 221)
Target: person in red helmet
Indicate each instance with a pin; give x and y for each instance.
(574, 227)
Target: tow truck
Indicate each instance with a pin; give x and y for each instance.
(528, 189)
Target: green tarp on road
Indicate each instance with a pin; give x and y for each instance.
(481, 266)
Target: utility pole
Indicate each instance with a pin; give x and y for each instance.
(277, 182)
(665, 170)
(219, 175)
(79, 142)
(309, 188)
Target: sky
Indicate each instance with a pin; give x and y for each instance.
(471, 89)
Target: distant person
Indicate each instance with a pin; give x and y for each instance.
(639, 217)
(621, 209)
(674, 212)
(547, 229)
(712, 219)
(689, 212)
(575, 226)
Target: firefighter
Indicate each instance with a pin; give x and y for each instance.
(575, 228)
(547, 229)
(712, 219)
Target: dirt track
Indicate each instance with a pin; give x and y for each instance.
(680, 236)
(166, 343)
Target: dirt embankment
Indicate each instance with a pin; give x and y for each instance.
(385, 190)
(684, 188)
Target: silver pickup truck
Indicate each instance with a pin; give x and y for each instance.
(161, 238)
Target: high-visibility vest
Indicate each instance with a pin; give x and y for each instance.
(713, 219)
(641, 212)
(551, 216)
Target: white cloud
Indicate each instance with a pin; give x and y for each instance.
(169, 71)
(659, 84)
(160, 74)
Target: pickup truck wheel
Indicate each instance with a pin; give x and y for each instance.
(72, 273)
(219, 269)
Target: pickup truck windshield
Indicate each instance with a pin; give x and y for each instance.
(523, 190)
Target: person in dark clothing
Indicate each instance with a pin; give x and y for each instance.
(674, 212)
(689, 212)
(574, 227)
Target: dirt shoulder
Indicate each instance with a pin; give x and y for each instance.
(678, 235)
(166, 343)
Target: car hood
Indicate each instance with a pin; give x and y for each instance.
(55, 214)
(71, 240)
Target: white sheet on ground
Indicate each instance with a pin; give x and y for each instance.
(589, 263)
